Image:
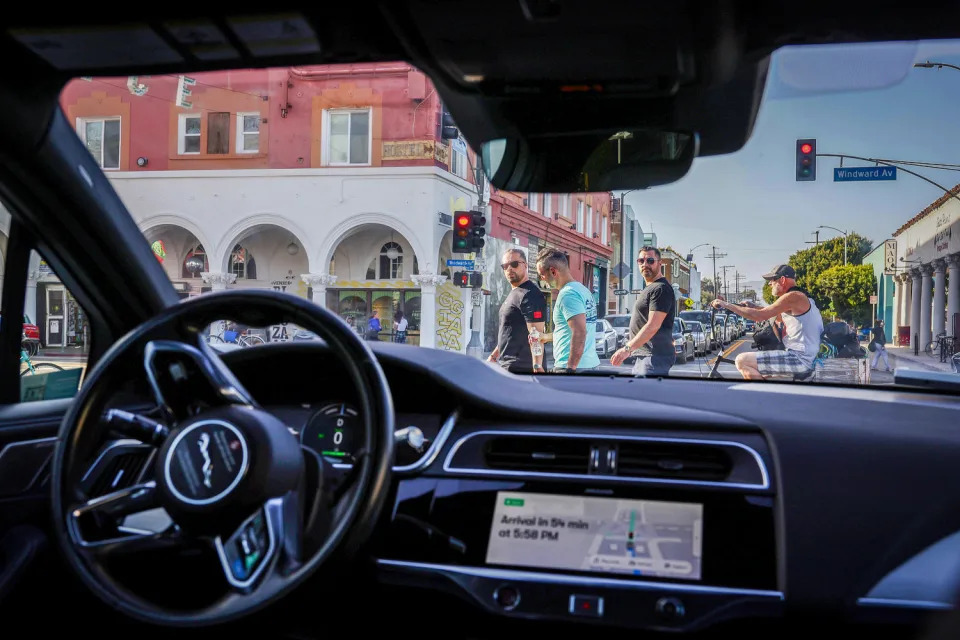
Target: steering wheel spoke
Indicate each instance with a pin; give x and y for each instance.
(267, 543)
(187, 379)
(124, 521)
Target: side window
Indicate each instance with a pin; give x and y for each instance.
(54, 333)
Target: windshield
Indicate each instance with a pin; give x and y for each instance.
(353, 187)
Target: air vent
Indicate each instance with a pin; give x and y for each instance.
(649, 459)
(551, 455)
(121, 471)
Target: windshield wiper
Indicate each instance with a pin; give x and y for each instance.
(928, 379)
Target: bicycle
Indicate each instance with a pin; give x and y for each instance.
(233, 337)
(940, 346)
(36, 369)
(721, 359)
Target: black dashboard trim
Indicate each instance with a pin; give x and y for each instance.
(579, 581)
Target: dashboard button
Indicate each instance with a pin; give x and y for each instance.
(507, 596)
(589, 606)
(670, 608)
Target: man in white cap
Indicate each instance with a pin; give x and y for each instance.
(802, 326)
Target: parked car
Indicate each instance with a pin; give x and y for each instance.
(30, 338)
(683, 341)
(705, 318)
(699, 337)
(749, 324)
(724, 329)
(606, 338)
(621, 324)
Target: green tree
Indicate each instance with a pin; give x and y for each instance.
(748, 294)
(768, 296)
(848, 290)
(810, 263)
(707, 293)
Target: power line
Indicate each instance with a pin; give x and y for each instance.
(167, 100)
(213, 86)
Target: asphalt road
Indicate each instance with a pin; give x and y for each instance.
(700, 366)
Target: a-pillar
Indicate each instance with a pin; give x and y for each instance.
(218, 281)
(953, 297)
(428, 307)
(926, 304)
(939, 295)
(318, 282)
(915, 309)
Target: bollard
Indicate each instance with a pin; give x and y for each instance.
(916, 344)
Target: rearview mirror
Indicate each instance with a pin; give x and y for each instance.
(589, 161)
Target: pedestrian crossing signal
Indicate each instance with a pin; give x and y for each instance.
(461, 278)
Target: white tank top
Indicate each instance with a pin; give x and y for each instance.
(802, 332)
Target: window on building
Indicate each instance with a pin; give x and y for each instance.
(580, 216)
(533, 201)
(547, 205)
(348, 136)
(194, 263)
(604, 227)
(102, 137)
(391, 261)
(563, 205)
(589, 221)
(218, 133)
(242, 264)
(189, 139)
(248, 132)
(458, 162)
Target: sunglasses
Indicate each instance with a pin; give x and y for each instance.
(647, 260)
(512, 265)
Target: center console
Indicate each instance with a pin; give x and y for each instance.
(624, 553)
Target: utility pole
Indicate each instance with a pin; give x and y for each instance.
(714, 256)
(726, 287)
(737, 277)
(816, 242)
(716, 286)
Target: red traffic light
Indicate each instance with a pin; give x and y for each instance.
(463, 221)
(806, 148)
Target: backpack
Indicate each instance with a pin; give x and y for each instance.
(846, 342)
(766, 337)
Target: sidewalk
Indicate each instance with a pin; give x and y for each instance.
(903, 357)
(63, 352)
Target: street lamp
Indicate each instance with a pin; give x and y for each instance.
(623, 241)
(823, 226)
(690, 253)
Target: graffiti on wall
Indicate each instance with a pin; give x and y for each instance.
(450, 317)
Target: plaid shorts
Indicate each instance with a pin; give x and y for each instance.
(781, 363)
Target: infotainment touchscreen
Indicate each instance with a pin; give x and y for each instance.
(632, 537)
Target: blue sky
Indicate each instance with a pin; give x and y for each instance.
(864, 100)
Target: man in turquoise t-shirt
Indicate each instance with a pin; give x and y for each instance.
(574, 316)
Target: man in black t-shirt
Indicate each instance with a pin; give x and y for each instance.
(524, 310)
(651, 324)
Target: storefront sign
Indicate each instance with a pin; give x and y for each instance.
(890, 257)
(415, 150)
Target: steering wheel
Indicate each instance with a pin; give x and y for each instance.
(230, 477)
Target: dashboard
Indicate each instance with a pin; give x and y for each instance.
(667, 505)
